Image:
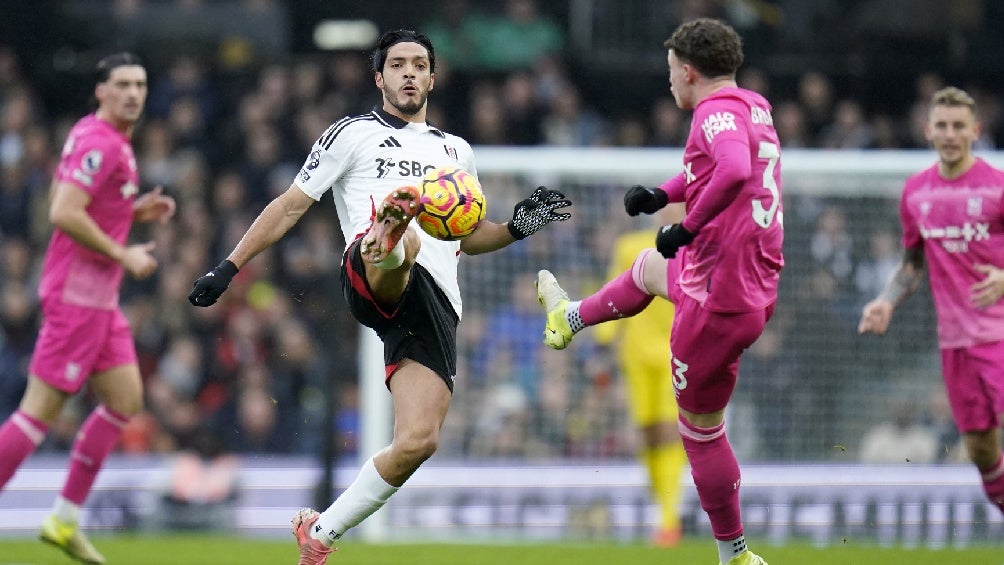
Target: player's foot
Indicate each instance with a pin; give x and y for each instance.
(747, 558)
(557, 333)
(667, 537)
(68, 537)
(390, 220)
(312, 551)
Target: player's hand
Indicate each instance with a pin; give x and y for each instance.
(671, 238)
(210, 286)
(640, 199)
(536, 211)
(137, 260)
(875, 317)
(988, 291)
(154, 206)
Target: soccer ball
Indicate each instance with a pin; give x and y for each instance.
(452, 203)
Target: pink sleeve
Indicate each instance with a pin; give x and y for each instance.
(675, 188)
(911, 234)
(90, 163)
(732, 168)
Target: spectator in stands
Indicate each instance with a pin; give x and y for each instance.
(849, 129)
(904, 439)
(815, 94)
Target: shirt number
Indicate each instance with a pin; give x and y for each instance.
(764, 217)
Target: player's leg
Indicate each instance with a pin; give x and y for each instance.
(974, 381)
(25, 429)
(419, 335)
(706, 347)
(421, 399)
(624, 296)
(118, 386)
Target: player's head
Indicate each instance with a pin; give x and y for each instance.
(701, 49)
(951, 125)
(120, 89)
(404, 65)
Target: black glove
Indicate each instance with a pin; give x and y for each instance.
(671, 238)
(210, 286)
(537, 211)
(640, 199)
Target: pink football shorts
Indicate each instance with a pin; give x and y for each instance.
(75, 342)
(705, 350)
(974, 380)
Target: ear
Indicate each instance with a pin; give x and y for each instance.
(432, 81)
(689, 73)
(378, 79)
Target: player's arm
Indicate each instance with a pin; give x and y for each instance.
(281, 214)
(732, 168)
(528, 216)
(877, 314)
(68, 213)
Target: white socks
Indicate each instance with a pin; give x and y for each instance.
(364, 496)
(728, 549)
(66, 511)
(573, 317)
(394, 259)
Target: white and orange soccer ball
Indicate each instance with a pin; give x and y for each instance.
(452, 203)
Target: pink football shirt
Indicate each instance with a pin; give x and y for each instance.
(959, 223)
(98, 159)
(734, 263)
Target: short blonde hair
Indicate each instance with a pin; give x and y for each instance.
(953, 96)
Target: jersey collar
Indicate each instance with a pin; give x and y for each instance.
(390, 120)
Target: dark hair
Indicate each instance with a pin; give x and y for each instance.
(105, 66)
(711, 46)
(392, 38)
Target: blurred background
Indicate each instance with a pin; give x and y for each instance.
(240, 89)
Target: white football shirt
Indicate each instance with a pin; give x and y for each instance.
(362, 158)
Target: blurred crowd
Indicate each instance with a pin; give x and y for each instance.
(225, 131)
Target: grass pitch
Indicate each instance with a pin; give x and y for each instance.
(213, 550)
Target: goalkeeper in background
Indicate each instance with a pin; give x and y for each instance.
(642, 343)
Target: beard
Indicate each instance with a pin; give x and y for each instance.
(410, 106)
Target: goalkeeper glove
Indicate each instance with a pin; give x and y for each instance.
(210, 286)
(671, 238)
(537, 211)
(640, 199)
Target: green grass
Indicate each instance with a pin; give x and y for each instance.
(212, 550)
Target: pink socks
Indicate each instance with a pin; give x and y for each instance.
(96, 439)
(19, 436)
(716, 474)
(622, 297)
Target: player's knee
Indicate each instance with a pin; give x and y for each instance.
(417, 448)
(126, 407)
(981, 452)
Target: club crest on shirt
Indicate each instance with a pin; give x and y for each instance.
(91, 161)
(451, 151)
(974, 205)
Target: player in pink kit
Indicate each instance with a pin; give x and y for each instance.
(725, 284)
(84, 335)
(953, 228)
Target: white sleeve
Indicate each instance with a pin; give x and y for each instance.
(324, 165)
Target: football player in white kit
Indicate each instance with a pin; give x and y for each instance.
(396, 279)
